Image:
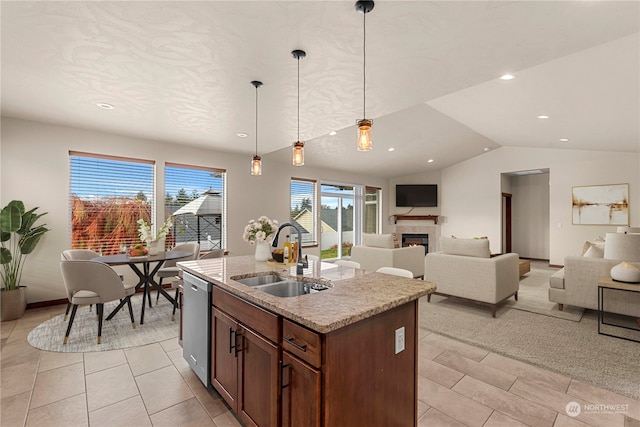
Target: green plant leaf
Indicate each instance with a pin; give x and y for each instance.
(29, 241)
(5, 256)
(10, 218)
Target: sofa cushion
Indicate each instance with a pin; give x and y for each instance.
(378, 240)
(556, 280)
(478, 248)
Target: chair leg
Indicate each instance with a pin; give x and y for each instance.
(516, 295)
(561, 307)
(100, 310)
(428, 297)
(175, 305)
(149, 297)
(73, 315)
(158, 292)
(133, 322)
(66, 313)
(493, 310)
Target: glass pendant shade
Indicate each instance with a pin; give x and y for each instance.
(298, 153)
(364, 135)
(256, 166)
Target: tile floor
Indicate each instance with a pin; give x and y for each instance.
(458, 385)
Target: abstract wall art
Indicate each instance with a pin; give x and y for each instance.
(601, 204)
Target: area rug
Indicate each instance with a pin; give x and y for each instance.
(117, 333)
(570, 348)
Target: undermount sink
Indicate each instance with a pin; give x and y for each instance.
(280, 286)
(263, 279)
(292, 288)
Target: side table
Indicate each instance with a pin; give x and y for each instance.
(610, 285)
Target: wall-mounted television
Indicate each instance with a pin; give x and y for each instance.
(417, 195)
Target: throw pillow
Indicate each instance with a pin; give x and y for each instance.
(594, 251)
(378, 240)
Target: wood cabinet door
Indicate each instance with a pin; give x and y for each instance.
(300, 393)
(224, 357)
(259, 381)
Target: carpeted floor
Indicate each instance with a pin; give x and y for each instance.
(572, 348)
(117, 333)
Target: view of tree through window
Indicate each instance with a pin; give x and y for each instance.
(303, 213)
(195, 197)
(107, 196)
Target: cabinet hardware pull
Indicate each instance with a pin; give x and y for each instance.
(236, 346)
(299, 347)
(232, 340)
(194, 288)
(282, 368)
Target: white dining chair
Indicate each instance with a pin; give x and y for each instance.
(347, 263)
(395, 271)
(77, 255)
(170, 270)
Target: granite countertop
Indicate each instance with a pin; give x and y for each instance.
(355, 295)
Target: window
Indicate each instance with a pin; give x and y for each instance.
(107, 196)
(340, 214)
(371, 210)
(196, 196)
(303, 209)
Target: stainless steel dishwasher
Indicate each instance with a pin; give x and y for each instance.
(196, 320)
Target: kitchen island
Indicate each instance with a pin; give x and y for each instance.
(339, 357)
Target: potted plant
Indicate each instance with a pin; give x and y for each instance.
(19, 236)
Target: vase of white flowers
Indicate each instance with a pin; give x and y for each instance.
(153, 243)
(261, 233)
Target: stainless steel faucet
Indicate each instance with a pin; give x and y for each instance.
(301, 264)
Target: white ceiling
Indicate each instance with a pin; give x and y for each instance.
(181, 72)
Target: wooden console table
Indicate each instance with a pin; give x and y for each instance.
(433, 218)
(607, 283)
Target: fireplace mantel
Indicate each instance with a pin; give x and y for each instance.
(433, 218)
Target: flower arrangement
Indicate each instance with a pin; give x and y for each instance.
(261, 230)
(144, 230)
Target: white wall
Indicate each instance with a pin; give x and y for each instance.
(530, 215)
(471, 192)
(34, 168)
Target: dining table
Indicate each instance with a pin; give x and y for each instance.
(145, 275)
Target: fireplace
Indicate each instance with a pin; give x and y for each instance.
(416, 240)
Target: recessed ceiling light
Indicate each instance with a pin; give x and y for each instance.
(105, 106)
(391, 149)
(430, 161)
(543, 116)
(333, 132)
(507, 77)
(487, 149)
(564, 139)
(242, 134)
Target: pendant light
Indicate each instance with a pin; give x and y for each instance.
(298, 146)
(364, 126)
(256, 163)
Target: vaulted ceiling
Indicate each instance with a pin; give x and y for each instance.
(181, 71)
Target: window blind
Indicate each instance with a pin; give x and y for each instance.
(303, 209)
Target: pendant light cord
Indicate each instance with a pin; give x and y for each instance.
(298, 98)
(256, 120)
(364, 68)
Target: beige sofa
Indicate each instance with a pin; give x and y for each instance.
(465, 268)
(577, 283)
(378, 250)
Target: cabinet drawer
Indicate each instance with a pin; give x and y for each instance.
(302, 342)
(256, 318)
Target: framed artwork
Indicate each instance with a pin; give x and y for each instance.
(601, 204)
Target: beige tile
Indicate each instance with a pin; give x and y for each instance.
(57, 384)
(498, 419)
(188, 414)
(530, 373)
(514, 406)
(433, 417)
(566, 421)
(476, 370)
(63, 413)
(631, 422)
(52, 360)
(422, 408)
(18, 353)
(438, 373)
(14, 409)
(428, 350)
(558, 402)
(110, 386)
(466, 350)
(6, 328)
(178, 361)
(163, 388)
(594, 394)
(146, 358)
(226, 420)
(210, 400)
(17, 379)
(452, 404)
(170, 345)
(100, 360)
(127, 413)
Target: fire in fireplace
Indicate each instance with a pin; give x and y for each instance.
(416, 240)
